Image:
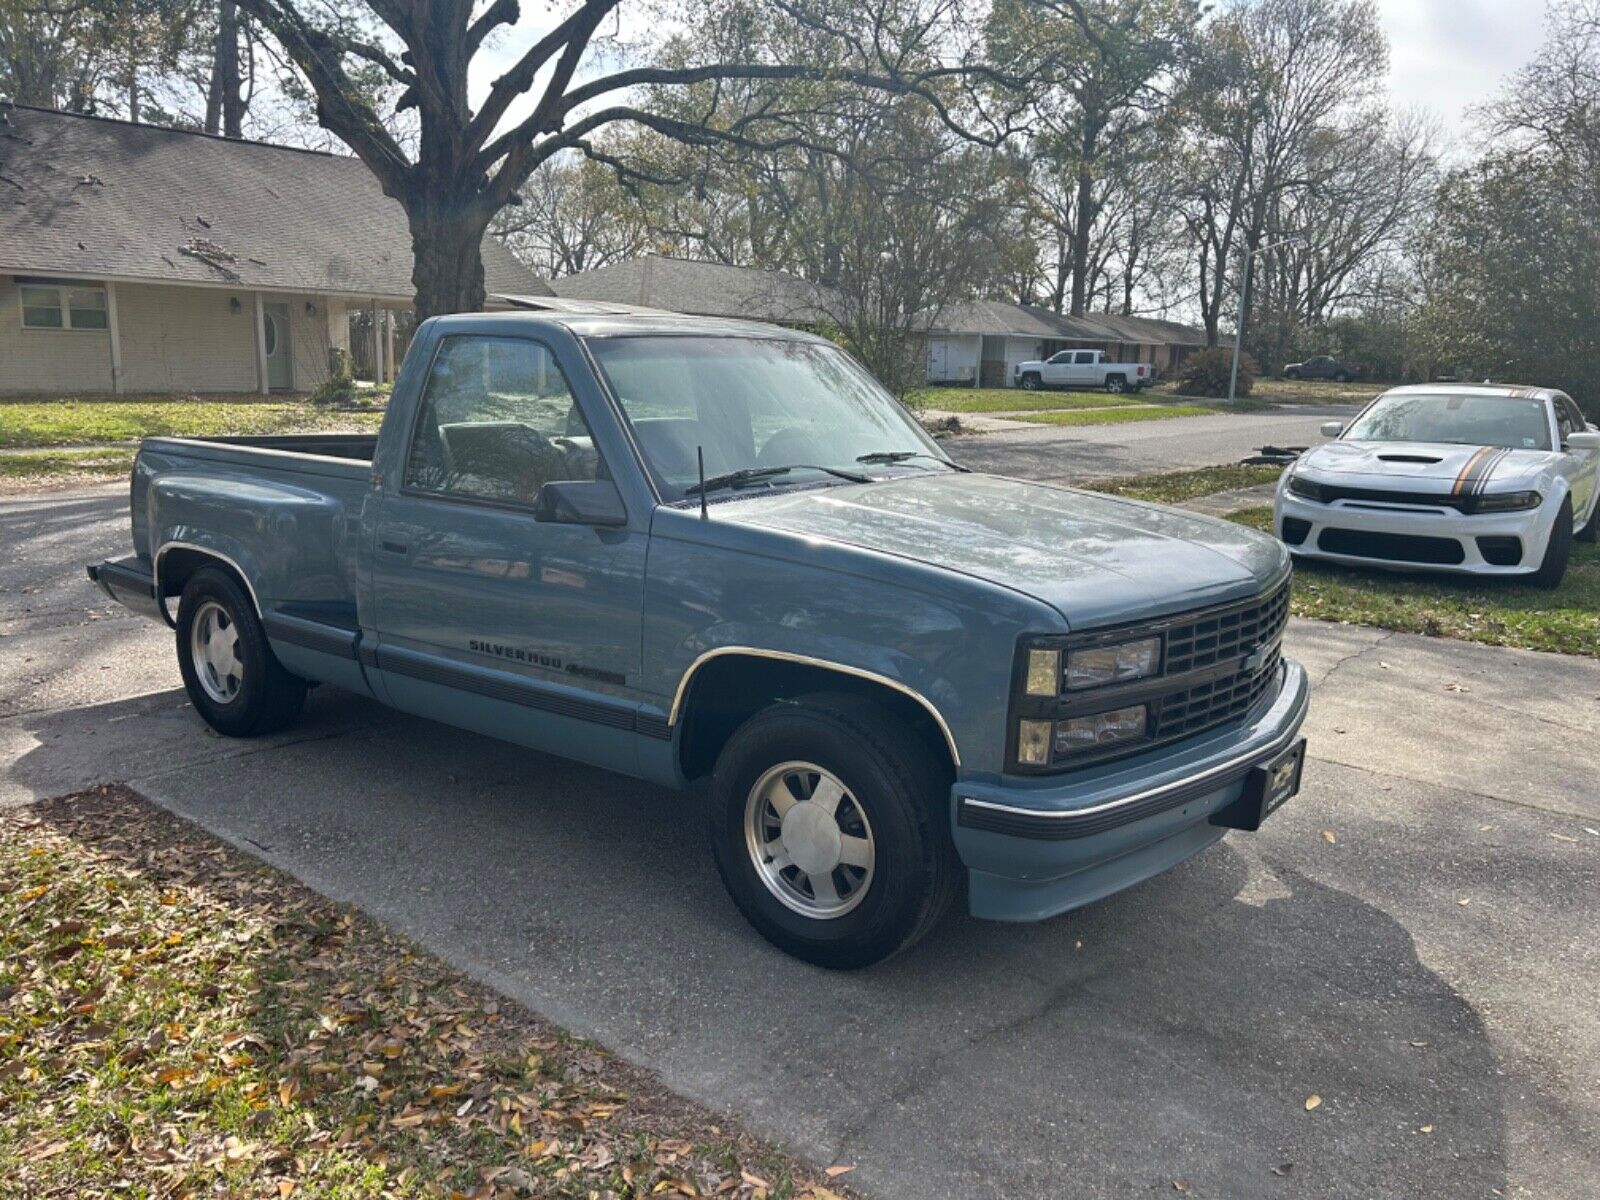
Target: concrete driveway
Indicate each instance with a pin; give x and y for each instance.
(1433, 966)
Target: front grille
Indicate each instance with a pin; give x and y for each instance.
(1391, 547)
(1226, 634)
(1198, 708)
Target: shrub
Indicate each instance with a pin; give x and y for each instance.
(1205, 373)
(338, 390)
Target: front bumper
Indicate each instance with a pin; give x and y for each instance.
(1435, 528)
(1036, 848)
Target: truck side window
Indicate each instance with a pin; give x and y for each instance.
(497, 422)
(1085, 357)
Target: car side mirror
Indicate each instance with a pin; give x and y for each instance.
(1332, 428)
(580, 502)
(1587, 440)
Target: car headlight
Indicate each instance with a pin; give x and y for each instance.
(1096, 666)
(1039, 743)
(1306, 489)
(1509, 502)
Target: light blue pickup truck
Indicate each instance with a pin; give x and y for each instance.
(717, 554)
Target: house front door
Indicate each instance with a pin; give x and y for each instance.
(275, 322)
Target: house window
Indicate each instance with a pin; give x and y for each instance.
(63, 306)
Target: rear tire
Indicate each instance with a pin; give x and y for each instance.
(1341, 377)
(859, 864)
(1030, 382)
(1591, 528)
(1556, 551)
(1116, 384)
(234, 680)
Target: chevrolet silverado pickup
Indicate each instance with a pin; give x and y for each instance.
(718, 555)
(1082, 369)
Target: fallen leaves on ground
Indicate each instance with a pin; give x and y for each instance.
(178, 1020)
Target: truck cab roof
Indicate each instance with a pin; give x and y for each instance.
(593, 320)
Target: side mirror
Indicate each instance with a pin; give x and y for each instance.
(1587, 440)
(1332, 428)
(580, 502)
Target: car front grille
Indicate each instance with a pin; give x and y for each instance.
(1225, 634)
(1196, 709)
(1391, 547)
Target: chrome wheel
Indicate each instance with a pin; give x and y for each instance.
(214, 650)
(809, 840)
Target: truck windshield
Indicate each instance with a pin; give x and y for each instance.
(752, 404)
(1512, 422)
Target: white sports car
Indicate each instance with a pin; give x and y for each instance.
(1485, 479)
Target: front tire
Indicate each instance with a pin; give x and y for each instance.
(1291, 374)
(1030, 382)
(234, 680)
(829, 831)
(1553, 567)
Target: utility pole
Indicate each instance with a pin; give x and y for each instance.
(1244, 297)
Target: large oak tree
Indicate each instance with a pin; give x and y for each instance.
(467, 162)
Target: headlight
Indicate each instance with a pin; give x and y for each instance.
(1077, 734)
(1509, 502)
(1306, 489)
(1044, 672)
(1040, 742)
(1096, 666)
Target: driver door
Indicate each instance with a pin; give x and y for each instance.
(528, 630)
(1057, 368)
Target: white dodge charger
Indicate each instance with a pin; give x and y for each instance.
(1486, 479)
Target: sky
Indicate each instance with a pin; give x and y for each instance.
(1446, 55)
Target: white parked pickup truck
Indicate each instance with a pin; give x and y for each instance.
(1082, 369)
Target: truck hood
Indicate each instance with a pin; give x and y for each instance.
(1421, 466)
(1094, 559)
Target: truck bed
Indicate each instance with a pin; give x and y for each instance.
(358, 446)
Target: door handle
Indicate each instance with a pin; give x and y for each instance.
(394, 547)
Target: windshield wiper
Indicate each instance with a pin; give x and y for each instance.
(900, 456)
(746, 475)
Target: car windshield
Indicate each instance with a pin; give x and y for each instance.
(1513, 422)
(753, 405)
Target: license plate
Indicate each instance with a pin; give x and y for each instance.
(1266, 789)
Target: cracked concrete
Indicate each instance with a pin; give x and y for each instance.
(1169, 1033)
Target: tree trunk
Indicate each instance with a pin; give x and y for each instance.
(1083, 213)
(447, 256)
(224, 101)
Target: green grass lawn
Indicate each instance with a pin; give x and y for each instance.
(1498, 612)
(75, 422)
(1174, 487)
(1268, 392)
(995, 400)
(1120, 416)
(57, 468)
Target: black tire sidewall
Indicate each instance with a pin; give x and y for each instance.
(244, 714)
(1030, 382)
(1557, 549)
(903, 868)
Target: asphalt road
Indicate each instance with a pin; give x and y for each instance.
(1138, 448)
(1171, 1033)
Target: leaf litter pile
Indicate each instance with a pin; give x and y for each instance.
(178, 1020)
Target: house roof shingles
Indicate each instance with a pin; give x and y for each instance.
(704, 289)
(99, 198)
(1003, 319)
